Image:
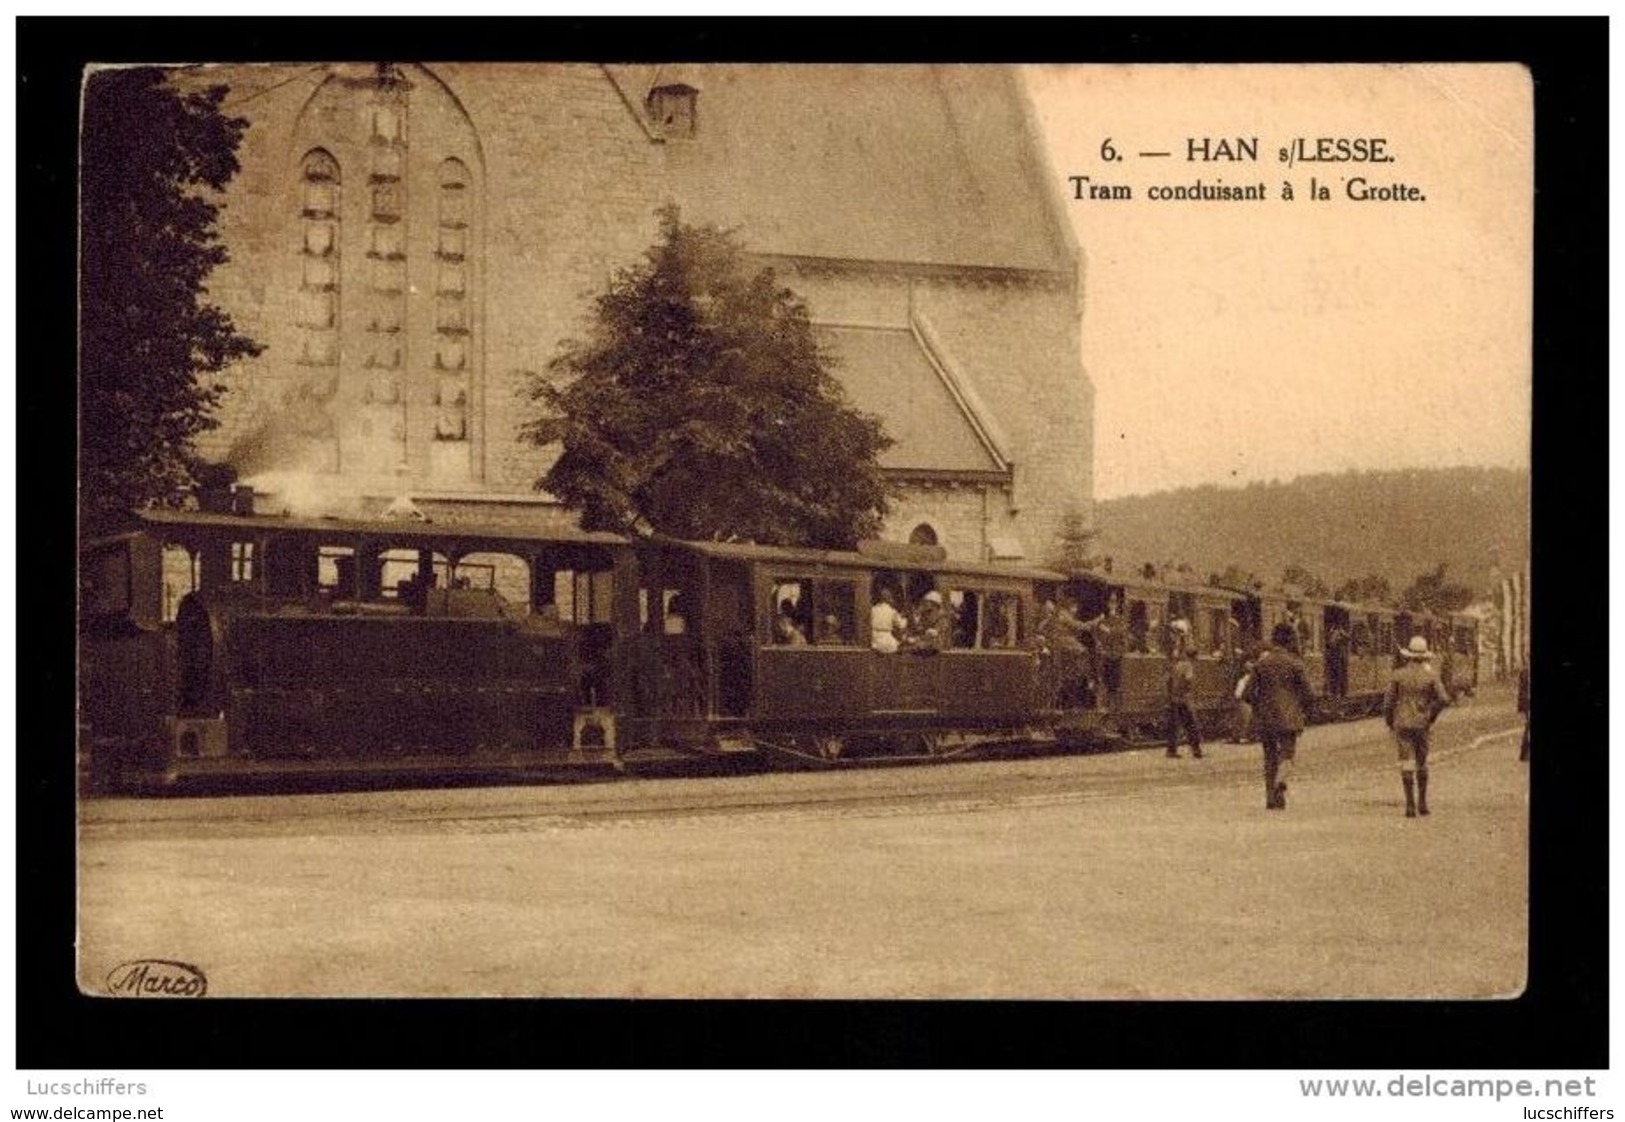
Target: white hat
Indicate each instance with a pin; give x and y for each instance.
(1181, 626)
(1418, 647)
(934, 596)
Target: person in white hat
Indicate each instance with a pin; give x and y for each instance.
(1181, 678)
(929, 630)
(1414, 699)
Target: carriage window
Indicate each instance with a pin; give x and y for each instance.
(592, 596)
(506, 574)
(966, 609)
(180, 569)
(1002, 629)
(670, 614)
(822, 612)
(835, 606)
(1360, 639)
(336, 572)
(675, 612)
(790, 610)
(242, 561)
(1182, 605)
(1464, 640)
(1214, 631)
(1139, 626)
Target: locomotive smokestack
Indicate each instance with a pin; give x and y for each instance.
(401, 507)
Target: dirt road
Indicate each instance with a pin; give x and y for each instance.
(1121, 876)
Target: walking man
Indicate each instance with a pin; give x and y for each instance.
(1414, 700)
(1181, 675)
(1281, 699)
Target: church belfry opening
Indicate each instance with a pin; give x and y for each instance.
(673, 109)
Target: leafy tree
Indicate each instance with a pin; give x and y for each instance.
(1369, 589)
(149, 155)
(1234, 576)
(1433, 592)
(1074, 551)
(702, 406)
(1304, 581)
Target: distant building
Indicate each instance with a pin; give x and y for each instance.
(410, 240)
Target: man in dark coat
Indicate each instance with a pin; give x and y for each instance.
(1281, 698)
(1111, 644)
(1414, 700)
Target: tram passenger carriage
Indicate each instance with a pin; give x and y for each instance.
(248, 644)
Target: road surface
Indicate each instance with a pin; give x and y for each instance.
(1107, 876)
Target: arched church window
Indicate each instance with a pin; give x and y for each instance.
(316, 308)
(321, 184)
(923, 534)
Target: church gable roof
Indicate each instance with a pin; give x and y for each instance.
(888, 371)
(927, 165)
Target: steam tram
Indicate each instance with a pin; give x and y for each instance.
(330, 645)
(257, 645)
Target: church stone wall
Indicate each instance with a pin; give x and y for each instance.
(564, 181)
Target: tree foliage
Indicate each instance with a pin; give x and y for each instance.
(1074, 545)
(1369, 589)
(1296, 576)
(702, 406)
(150, 154)
(1234, 576)
(1432, 591)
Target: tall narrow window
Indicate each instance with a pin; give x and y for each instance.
(316, 307)
(382, 432)
(452, 327)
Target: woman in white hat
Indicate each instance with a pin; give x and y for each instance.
(929, 630)
(1414, 700)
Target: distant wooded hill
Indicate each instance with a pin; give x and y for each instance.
(1393, 524)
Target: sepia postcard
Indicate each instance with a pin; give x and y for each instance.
(815, 531)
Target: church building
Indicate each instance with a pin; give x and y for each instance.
(411, 243)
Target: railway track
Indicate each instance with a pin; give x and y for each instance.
(963, 785)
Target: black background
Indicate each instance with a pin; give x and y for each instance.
(1560, 1022)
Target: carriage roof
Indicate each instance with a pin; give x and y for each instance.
(888, 561)
(183, 524)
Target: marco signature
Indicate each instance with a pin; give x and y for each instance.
(156, 977)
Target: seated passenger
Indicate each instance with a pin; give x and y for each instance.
(886, 623)
(676, 622)
(828, 630)
(786, 631)
(999, 630)
(932, 627)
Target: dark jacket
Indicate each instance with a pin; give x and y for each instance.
(1111, 637)
(1279, 692)
(1181, 674)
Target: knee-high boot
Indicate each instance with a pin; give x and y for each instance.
(1422, 790)
(1406, 778)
